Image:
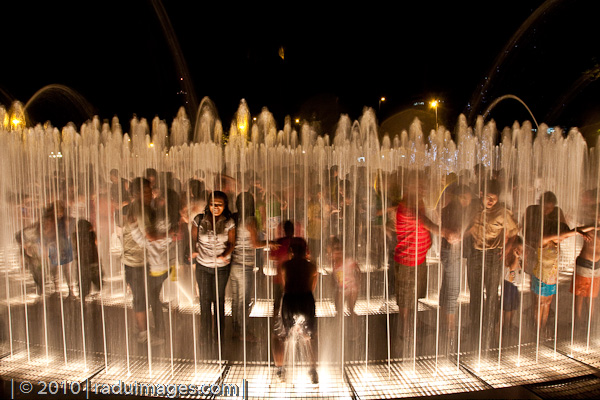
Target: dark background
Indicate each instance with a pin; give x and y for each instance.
(337, 59)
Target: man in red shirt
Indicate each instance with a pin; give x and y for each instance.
(413, 230)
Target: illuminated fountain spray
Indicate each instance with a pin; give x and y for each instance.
(350, 183)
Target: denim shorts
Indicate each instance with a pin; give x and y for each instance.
(541, 288)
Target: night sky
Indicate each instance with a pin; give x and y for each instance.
(337, 60)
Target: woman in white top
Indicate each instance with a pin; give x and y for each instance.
(214, 236)
(243, 262)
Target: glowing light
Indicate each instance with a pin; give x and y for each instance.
(434, 103)
(151, 145)
(382, 99)
(297, 120)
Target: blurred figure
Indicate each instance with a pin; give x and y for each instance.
(413, 230)
(156, 237)
(31, 251)
(280, 254)
(318, 216)
(513, 276)
(346, 276)
(540, 218)
(457, 216)
(138, 214)
(298, 305)
(586, 280)
(243, 263)
(492, 230)
(86, 257)
(58, 229)
(119, 188)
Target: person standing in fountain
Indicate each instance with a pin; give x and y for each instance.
(298, 305)
(157, 239)
(457, 217)
(213, 232)
(345, 274)
(119, 188)
(544, 278)
(512, 277)
(544, 215)
(541, 223)
(138, 214)
(491, 231)
(57, 233)
(31, 252)
(586, 279)
(86, 257)
(280, 255)
(318, 215)
(413, 230)
(243, 262)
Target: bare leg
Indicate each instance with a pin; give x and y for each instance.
(541, 315)
(578, 308)
(277, 350)
(67, 275)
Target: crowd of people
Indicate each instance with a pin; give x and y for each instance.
(477, 227)
(163, 223)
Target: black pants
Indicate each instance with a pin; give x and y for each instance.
(488, 269)
(208, 287)
(154, 286)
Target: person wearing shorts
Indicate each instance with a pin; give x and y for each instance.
(512, 277)
(586, 283)
(545, 273)
(298, 304)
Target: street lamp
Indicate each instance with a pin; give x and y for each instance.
(434, 104)
(381, 100)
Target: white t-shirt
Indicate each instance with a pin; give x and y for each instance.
(209, 246)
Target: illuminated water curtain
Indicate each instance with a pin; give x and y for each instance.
(503, 295)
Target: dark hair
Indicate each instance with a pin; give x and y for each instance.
(52, 209)
(137, 185)
(195, 187)
(173, 206)
(493, 187)
(84, 226)
(517, 241)
(461, 190)
(335, 243)
(244, 204)
(151, 172)
(217, 194)
(298, 247)
(288, 228)
(548, 197)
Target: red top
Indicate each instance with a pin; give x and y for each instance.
(413, 239)
(280, 255)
